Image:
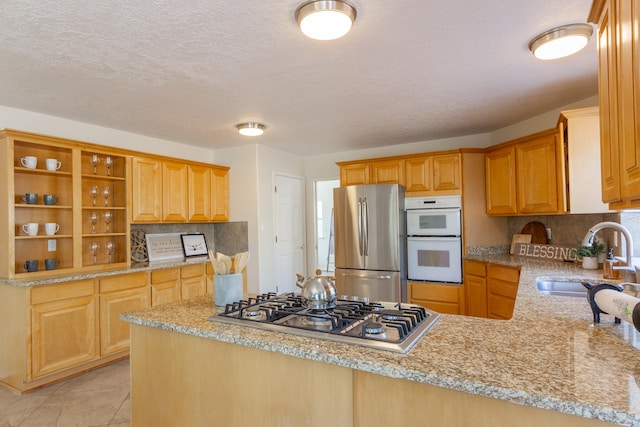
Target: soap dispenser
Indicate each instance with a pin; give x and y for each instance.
(607, 266)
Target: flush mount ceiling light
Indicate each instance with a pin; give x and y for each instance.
(324, 19)
(560, 42)
(251, 129)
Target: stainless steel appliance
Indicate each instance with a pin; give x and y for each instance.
(381, 325)
(370, 241)
(434, 238)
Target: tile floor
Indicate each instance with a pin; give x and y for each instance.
(98, 398)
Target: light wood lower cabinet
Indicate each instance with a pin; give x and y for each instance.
(63, 326)
(193, 281)
(475, 283)
(439, 297)
(165, 286)
(490, 289)
(118, 295)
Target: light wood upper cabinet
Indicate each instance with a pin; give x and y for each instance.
(199, 179)
(175, 192)
(179, 191)
(386, 172)
(146, 193)
(524, 177)
(417, 173)
(619, 92)
(219, 194)
(537, 177)
(421, 174)
(446, 173)
(354, 174)
(501, 181)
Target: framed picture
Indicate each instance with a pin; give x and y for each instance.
(194, 245)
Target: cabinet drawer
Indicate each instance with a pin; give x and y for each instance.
(192, 270)
(500, 272)
(62, 291)
(433, 292)
(500, 287)
(120, 283)
(475, 268)
(165, 275)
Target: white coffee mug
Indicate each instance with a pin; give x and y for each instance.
(51, 228)
(29, 162)
(30, 228)
(53, 164)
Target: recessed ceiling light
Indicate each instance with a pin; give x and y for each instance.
(325, 19)
(251, 129)
(560, 42)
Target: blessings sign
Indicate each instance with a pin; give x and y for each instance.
(534, 250)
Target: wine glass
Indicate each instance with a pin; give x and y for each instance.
(106, 191)
(93, 191)
(108, 161)
(94, 251)
(107, 215)
(95, 161)
(110, 249)
(93, 219)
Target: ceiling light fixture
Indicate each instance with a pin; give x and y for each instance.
(324, 19)
(251, 129)
(560, 42)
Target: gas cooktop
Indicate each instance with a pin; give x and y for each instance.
(381, 325)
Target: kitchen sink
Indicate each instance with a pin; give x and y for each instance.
(568, 288)
(561, 288)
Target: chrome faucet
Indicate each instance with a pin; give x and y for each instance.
(629, 269)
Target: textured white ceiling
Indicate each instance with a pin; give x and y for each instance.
(189, 71)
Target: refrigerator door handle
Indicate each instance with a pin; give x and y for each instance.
(365, 227)
(360, 242)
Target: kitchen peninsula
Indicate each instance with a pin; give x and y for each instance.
(548, 365)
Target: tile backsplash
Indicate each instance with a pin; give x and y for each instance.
(567, 230)
(226, 237)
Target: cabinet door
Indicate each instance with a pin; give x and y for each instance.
(417, 174)
(220, 194)
(537, 175)
(501, 181)
(628, 87)
(193, 287)
(63, 326)
(475, 286)
(175, 194)
(354, 174)
(146, 194)
(165, 286)
(446, 172)
(386, 172)
(502, 287)
(608, 108)
(114, 333)
(199, 179)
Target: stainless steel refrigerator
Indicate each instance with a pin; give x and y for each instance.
(370, 242)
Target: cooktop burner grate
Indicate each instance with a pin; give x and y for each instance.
(383, 325)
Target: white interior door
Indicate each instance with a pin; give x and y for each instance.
(289, 231)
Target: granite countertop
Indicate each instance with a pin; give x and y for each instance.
(549, 355)
(62, 277)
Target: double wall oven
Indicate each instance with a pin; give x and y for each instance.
(434, 238)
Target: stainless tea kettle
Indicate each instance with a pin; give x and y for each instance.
(318, 292)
